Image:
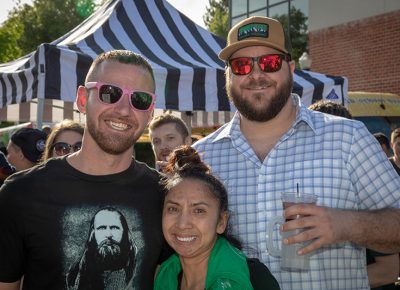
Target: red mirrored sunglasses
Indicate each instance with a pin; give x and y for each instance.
(268, 63)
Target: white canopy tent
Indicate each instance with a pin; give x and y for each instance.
(189, 76)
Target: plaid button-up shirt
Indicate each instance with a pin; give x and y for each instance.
(334, 158)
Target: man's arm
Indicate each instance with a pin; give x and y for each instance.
(384, 271)
(10, 286)
(377, 230)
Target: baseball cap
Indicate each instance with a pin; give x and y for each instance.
(255, 30)
(31, 141)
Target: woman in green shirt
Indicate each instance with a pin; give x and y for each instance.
(195, 219)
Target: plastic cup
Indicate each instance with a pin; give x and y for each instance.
(290, 260)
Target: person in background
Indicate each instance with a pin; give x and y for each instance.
(195, 225)
(383, 269)
(46, 129)
(25, 148)
(6, 169)
(42, 210)
(384, 141)
(331, 108)
(64, 138)
(3, 148)
(167, 132)
(395, 145)
(275, 144)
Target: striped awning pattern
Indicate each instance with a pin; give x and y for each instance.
(189, 76)
(53, 111)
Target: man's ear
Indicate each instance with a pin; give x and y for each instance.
(292, 66)
(20, 155)
(81, 99)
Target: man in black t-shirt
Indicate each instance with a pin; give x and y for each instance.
(92, 219)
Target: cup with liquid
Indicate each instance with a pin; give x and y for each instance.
(290, 260)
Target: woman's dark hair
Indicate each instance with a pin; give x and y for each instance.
(185, 162)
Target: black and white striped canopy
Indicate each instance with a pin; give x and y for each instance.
(189, 75)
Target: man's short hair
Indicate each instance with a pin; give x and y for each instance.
(170, 119)
(382, 139)
(394, 135)
(121, 56)
(331, 108)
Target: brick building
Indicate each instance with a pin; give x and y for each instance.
(359, 39)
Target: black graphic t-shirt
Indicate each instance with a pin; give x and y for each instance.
(63, 229)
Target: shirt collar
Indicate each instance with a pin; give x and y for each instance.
(303, 115)
(230, 129)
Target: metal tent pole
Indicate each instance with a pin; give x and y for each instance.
(39, 116)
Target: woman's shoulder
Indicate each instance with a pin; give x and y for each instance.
(167, 275)
(172, 262)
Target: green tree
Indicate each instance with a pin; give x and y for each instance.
(217, 17)
(217, 21)
(298, 30)
(10, 33)
(46, 20)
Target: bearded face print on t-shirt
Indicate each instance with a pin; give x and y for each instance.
(101, 248)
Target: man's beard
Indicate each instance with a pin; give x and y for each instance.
(114, 144)
(109, 254)
(261, 114)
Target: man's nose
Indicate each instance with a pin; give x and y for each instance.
(164, 144)
(109, 233)
(256, 71)
(123, 106)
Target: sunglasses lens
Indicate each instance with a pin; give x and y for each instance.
(61, 149)
(110, 94)
(241, 65)
(77, 146)
(270, 63)
(141, 100)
